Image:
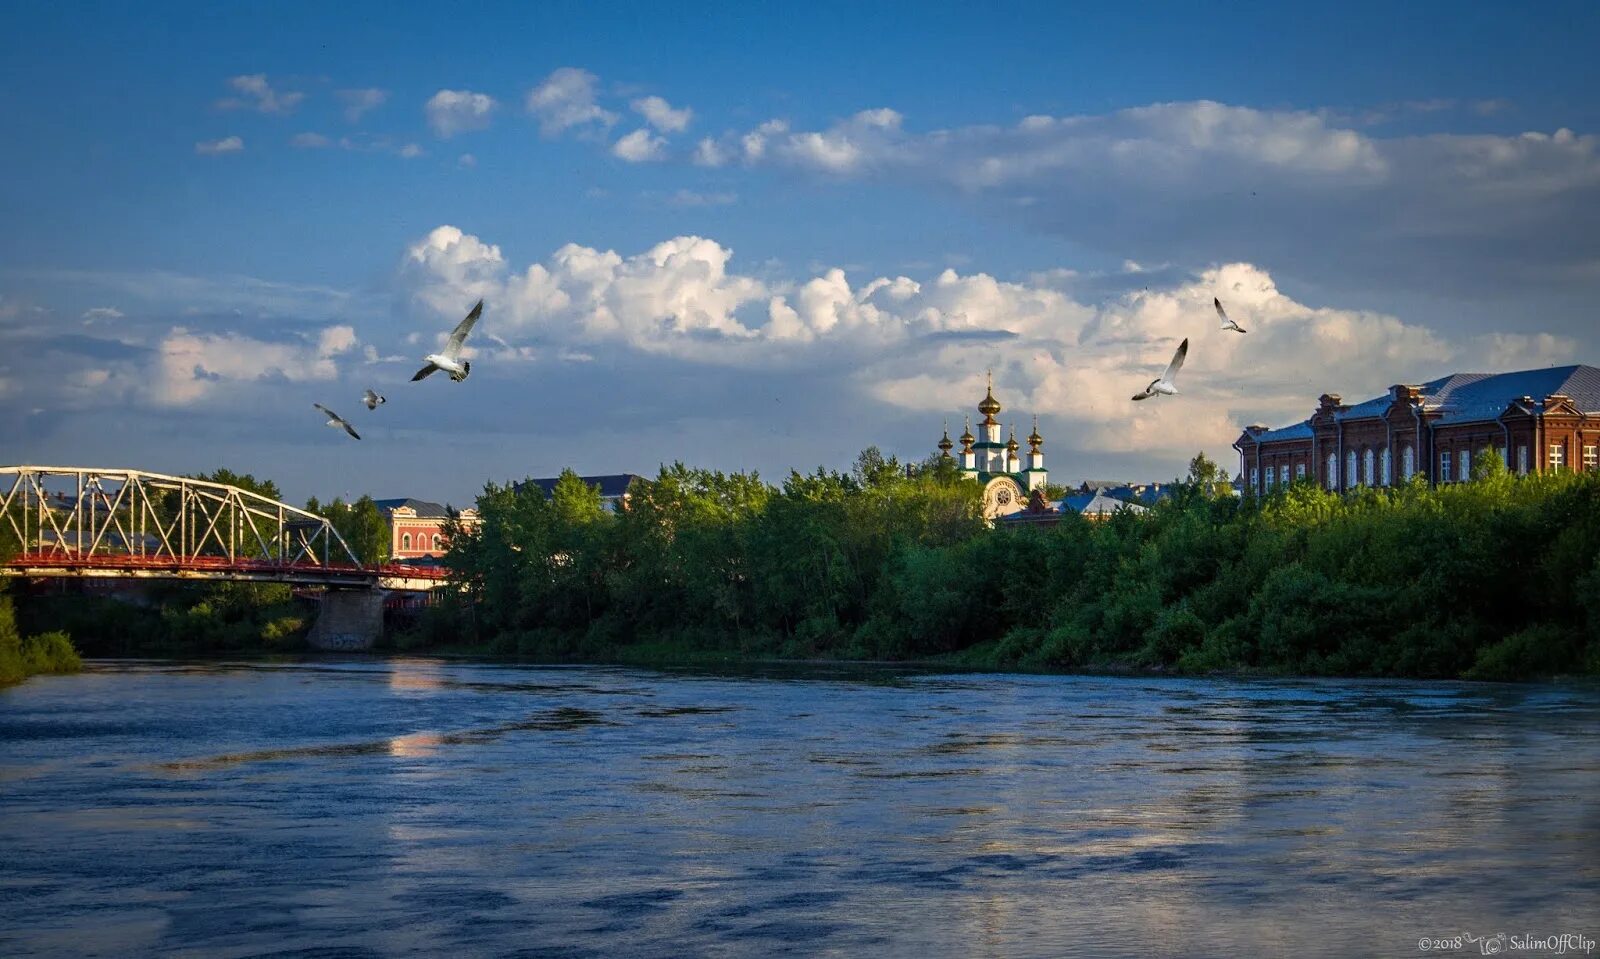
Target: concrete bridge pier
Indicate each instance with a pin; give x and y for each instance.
(349, 620)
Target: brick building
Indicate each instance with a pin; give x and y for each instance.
(1534, 420)
(416, 527)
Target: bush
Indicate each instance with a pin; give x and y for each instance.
(20, 658)
(50, 653)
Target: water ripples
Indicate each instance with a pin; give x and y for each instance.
(420, 807)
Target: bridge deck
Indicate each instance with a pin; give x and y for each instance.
(61, 564)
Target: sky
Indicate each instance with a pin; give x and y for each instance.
(764, 239)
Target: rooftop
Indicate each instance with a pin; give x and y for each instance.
(1468, 397)
(1098, 504)
(422, 507)
(611, 484)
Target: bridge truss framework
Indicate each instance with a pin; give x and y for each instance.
(77, 521)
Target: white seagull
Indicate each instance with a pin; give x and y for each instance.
(335, 420)
(1227, 321)
(449, 359)
(373, 400)
(1167, 384)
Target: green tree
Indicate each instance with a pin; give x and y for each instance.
(360, 524)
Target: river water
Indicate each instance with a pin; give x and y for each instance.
(372, 807)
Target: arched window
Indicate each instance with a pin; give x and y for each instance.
(1386, 468)
(405, 541)
(436, 541)
(1333, 471)
(1408, 463)
(1351, 477)
(1368, 477)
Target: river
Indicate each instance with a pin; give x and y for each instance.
(396, 807)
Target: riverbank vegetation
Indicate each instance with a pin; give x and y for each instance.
(159, 618)
(1490, 579)
(24, 656)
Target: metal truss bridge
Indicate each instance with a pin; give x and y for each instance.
(77, 522)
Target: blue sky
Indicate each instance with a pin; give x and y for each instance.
(214, 216)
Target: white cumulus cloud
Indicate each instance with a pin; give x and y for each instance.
(450, 112)
(640, 147)
(923, 344)
(189, 365)
(565, 100)
(661, 115)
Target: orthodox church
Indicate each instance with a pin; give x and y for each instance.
(1007, 483)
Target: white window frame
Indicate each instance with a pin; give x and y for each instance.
(1464, 468)
(1333, 471)
(1352, 478)
(405, 540)
(1558, 456)
(1522, 459)
(1444, 466)
(1369, 476)
(1283, 475)
(1408, 462)
(1300, 470)
(1591, 457)
(1386, 467)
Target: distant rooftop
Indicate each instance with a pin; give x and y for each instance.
(423, 508)
(1468, 397)
(611, 484)
(1098, 504)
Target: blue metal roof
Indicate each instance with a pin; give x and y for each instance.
(611, 484)
(425, 508)
(1470, 397)
(1474, 396)
(1298, 431)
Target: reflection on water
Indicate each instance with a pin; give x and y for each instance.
(416, 807)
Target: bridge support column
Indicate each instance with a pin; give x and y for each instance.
(349, 620)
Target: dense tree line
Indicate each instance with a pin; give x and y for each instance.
(1496, 578)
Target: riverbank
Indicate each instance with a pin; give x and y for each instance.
(36, 655)
(1489, 579)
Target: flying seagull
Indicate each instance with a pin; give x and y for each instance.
(449, 359)
(1167, 384)
(335, 420)
(1227, 322)
(373, 400)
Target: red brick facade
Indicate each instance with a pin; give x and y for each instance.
(417, 529)
(1436, 430)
